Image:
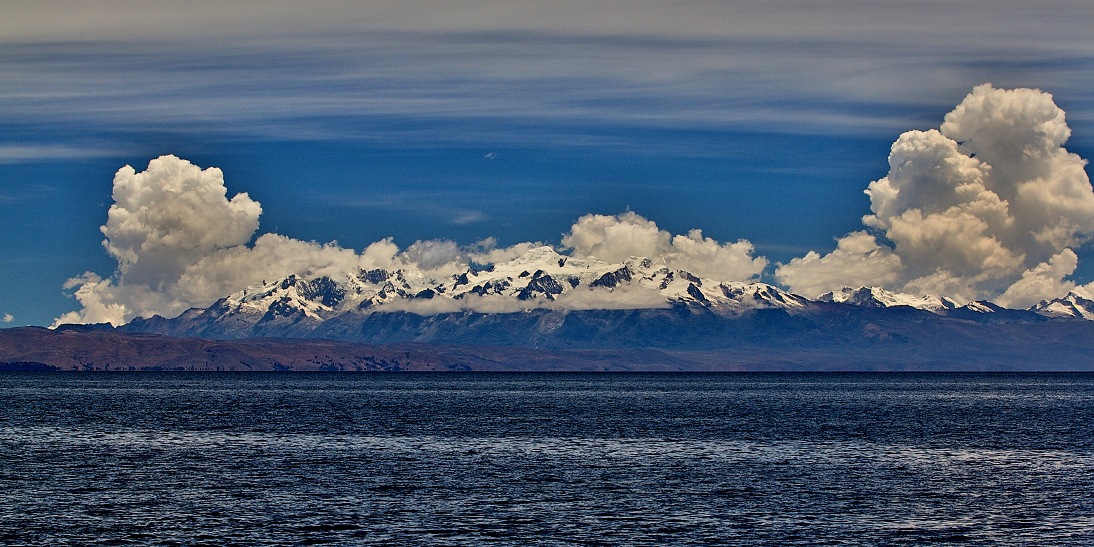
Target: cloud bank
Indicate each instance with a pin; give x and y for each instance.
(180, 242)
(988, 206)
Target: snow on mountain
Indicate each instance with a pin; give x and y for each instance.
(982, 306)
(1072, 306)
(979, 310)
(875, 297)
(540, 278)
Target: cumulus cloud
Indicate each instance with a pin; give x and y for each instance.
(164, 221)
(857, 260)
(1045, 280)
(272, 256)
(380, 255)
(990, 205)
(180, 242)
(8, 318)
(435, 255)
(171, 214)
(619, 237)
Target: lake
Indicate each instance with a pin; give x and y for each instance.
(550, 459)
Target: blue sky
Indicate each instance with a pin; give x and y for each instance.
(460, 120)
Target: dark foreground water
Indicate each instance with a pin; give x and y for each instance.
(449, 459)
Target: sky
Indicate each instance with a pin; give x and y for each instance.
(425, 131)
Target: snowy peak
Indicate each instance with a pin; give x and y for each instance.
(875, 297)
(287, 296)
(982, 306)
(979, 311)
(544, 256)
(745, 296)
(1072, 306)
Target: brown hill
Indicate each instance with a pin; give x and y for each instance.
(34, 348)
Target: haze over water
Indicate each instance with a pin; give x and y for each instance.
(444, 459)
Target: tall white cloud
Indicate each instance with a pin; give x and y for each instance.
(989, 206)
(170, 215)
(180, 242)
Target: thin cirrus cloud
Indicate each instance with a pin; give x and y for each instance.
(321, 91)
(410, 202)
(990, 205)
(470, 71)
(44, 153)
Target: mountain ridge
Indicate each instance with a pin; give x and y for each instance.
(546, 311)
(343, 307)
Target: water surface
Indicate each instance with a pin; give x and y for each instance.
(751, 459)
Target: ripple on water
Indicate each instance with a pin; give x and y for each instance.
(466, 459)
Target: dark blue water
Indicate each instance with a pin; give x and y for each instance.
(450, 459)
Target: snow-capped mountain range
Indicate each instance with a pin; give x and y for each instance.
(539, 279)
(1072, 306)
(548, 283)
(874, 297)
